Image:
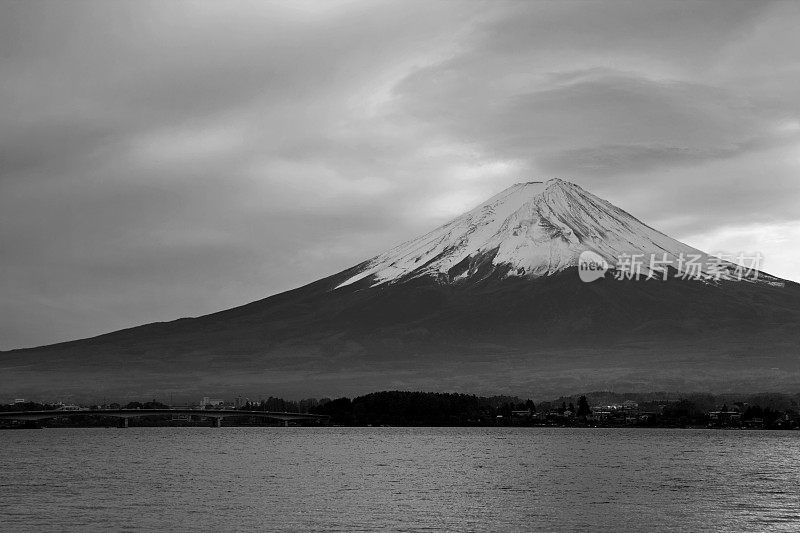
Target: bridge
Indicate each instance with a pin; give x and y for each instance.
(216, 415)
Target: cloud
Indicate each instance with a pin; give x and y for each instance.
(597, 121)
(774, 242)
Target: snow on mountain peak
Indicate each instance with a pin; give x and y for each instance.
(531, 229)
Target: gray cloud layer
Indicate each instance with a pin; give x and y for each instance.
(160, 159)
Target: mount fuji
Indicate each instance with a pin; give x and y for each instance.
(489, 302)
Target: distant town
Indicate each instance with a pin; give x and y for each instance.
(404, 408)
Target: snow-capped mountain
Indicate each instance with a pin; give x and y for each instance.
(531, 229)
(491, 302)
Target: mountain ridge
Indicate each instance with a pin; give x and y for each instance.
(487, 331)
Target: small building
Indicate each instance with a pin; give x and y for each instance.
(598, 415)
(725, 418)
(629, 405)
(207, 402)
(755, 423)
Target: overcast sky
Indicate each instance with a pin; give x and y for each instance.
(168, 159)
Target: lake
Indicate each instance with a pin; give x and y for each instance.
(401, 479)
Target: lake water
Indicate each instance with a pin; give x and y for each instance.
(404, 479)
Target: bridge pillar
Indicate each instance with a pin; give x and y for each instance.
(217, 422)
(123, 422)
(286, 423)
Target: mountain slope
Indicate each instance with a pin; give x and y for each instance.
(490, 302)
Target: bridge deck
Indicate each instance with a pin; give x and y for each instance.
(133, 413)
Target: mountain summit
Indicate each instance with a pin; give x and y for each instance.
(529, 230)
(491, 302)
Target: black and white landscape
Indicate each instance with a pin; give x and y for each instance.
(374, 265)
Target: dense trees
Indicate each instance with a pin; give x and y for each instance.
(27, 406)
(583, 407)
(154, 404)
(402, 408)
